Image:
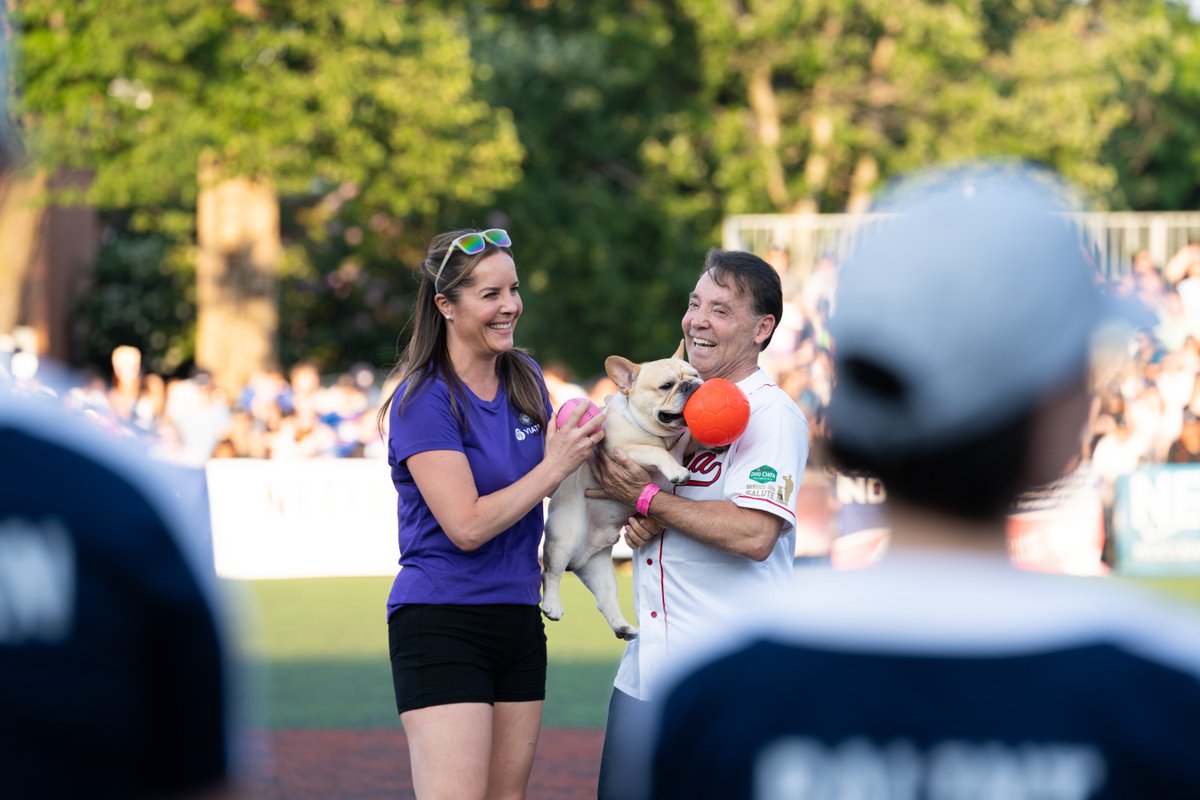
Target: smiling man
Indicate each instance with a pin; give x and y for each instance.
(732, 526)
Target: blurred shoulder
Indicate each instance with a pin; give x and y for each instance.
(84, 453)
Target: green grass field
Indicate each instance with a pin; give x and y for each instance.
(317, 652)
(317, 657)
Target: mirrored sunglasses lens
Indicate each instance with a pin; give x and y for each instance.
(498, 237)
(471, 243)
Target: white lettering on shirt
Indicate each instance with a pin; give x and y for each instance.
(37, 582)
(798, 767)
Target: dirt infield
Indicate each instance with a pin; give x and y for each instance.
(373, 764)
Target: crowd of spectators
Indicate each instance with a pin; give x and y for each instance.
(191, 419)
(1146, 407)
(1146, 381)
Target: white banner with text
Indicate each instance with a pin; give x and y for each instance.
(302, 519)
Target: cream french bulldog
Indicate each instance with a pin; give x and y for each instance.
(644, 419)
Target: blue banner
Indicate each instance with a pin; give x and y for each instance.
(1156, 521)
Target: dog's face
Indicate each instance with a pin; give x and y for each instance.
(657, 390)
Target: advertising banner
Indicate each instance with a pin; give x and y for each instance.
(1060, 528)
(1156, 521)
(337, 517)
(312, 518)
(302, 519)
(862, 531)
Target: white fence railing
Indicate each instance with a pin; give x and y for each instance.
(805, 237)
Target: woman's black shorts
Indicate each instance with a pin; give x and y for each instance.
(445, 654)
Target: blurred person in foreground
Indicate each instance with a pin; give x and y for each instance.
(472, 458)
(962, 341)
(114, 679)
(732, 526)
(114, 671)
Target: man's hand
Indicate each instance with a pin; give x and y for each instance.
(640, 530)
(622, 478)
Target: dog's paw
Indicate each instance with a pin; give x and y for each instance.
(680, 478)
(553, 612)
(626, 632)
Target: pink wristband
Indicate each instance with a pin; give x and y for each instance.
(643, 503)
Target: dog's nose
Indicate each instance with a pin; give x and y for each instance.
(689, 386)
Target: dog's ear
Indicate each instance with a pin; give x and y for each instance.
(679, 353)
(622, 371)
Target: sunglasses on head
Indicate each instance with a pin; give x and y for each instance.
(472, 243)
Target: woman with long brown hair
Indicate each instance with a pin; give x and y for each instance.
(472, 456)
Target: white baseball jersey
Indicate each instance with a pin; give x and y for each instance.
(679, 583)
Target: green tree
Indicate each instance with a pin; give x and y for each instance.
(364, 117)
(1157, 150)
(812, 122)
(610, 137)
(143, 294)
(607, 253)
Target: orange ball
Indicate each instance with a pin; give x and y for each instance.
(717, 412)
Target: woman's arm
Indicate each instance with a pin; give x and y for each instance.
(445, 480)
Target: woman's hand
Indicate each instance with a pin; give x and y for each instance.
(569, 447)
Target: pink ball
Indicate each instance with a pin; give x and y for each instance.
(568, 407)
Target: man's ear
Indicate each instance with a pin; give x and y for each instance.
(766, 324)
(622, 371)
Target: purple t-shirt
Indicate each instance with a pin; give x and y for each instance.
(501, 445)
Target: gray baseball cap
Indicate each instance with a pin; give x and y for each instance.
(971, 296)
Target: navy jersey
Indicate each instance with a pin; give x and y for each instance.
(946, 678)
(112, 673)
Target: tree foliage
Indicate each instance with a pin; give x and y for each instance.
(143, 294)
(1157, 150)
(309, 94)
(607, 258)
(365, 116)
(813, 122)
(610, 137)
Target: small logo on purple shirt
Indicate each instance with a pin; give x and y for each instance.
(529, 430)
